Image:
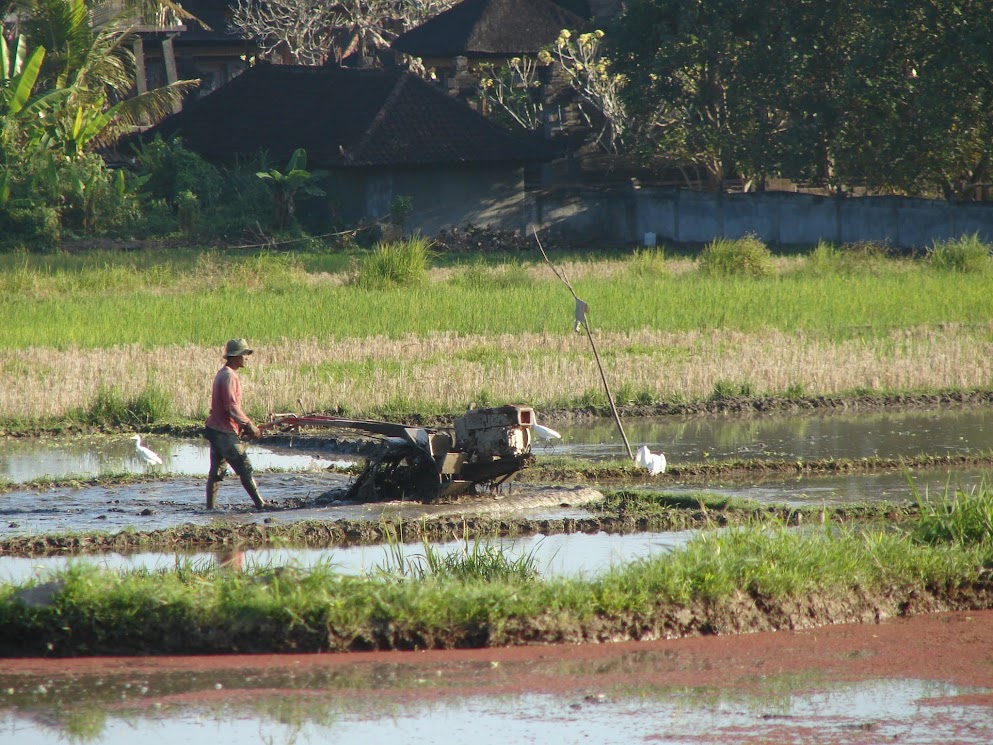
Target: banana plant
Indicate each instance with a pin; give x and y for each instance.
(18, 74)
(294, 178)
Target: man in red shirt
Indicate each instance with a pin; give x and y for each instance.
(226, 423)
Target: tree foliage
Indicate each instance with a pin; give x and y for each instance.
(310, 32)
(892, 95)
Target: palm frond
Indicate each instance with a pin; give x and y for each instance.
(144, 110)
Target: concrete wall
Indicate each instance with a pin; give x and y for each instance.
(442, 197)
(624, 216)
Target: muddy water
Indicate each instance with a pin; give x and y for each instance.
(874, 711)
(778, 437)
(840, 685)
(560, 555)
(887, 434)
(23, 460)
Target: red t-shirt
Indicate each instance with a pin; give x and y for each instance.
(225, 403)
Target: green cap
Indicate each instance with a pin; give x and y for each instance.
(236, 348)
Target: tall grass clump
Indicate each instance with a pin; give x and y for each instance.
(966, 254)
(401, 263)
(479, 276)
(112, 408)
(958, 517)
(474, 561)
(648, 263)
(864, 257)
(729, 257)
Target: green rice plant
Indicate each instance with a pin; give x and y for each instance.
(725, 390)
(480, 276)
(628, 394)
(729, 257)
(966, 254)
(486, 562)
(476, 561)
(959, 517)
(401, 263)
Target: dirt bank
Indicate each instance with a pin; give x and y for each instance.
(742, 613)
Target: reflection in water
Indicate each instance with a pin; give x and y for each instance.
(777, 437)
(785, 437)
(561, 555)
(465, 701)
(23, 460)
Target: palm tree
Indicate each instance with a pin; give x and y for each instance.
(88, 57)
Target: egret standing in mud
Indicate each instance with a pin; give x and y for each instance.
(654, 463)
(149, 457)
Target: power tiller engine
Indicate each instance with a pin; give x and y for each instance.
(485, 447)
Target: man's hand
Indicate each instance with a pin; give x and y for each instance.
(251, 432)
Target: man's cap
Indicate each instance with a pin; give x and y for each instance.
(236, 348)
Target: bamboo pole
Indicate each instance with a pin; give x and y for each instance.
(581, 320)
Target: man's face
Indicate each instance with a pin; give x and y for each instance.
(236, 362)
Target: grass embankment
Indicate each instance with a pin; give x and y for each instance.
(144, 334)
(764, 576)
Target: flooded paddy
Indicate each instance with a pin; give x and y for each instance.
(807, 437)
(921, 680)
(810, 436)
(559, 555)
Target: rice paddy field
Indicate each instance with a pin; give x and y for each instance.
(94, 332)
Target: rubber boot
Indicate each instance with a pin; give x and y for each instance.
(213, 484)
(253, 491)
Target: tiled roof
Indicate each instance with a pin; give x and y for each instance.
(342, 117)
(489, 28)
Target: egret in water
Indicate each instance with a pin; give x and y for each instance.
(544, 433)
(149, 457)
(654, 463)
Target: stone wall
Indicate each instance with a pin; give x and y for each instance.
(624, 216)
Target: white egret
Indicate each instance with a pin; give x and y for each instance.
(544, 433)
(149, 457)
(654, 463)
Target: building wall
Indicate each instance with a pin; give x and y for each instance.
(624, 216)
(441, 196)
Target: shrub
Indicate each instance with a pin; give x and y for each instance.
(171, 170)
(746, 256)
(965, 254)
(38, 228)
(395, 263)
(95, 198)
(188, 212)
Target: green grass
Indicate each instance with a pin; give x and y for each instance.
(268, 300)
(957, 516)
(967, 254)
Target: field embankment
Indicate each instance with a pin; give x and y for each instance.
(763, 576)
